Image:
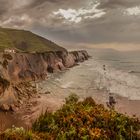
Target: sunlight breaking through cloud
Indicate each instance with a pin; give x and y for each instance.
(133, 11)
(76, 16)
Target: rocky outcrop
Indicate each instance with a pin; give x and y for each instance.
(23, 67)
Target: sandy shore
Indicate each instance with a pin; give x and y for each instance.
(129, 107)
(53, 101)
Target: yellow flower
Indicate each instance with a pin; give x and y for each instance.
(95, 132)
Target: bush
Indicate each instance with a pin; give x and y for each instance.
(18, 134)
(73, 98)
(83, 120)
(86, 120)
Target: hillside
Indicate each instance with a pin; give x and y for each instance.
(25, 41)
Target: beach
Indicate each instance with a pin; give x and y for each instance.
(53, 101)
(87, 79)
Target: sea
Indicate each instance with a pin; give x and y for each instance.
(117, 72)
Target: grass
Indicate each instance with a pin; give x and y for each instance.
(25, 41)
(81, 120)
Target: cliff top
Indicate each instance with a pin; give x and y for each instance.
(25, 41)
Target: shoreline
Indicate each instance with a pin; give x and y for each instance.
(51, 102)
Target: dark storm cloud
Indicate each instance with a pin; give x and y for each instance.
(75, 21)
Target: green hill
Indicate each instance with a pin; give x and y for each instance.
(25, 41)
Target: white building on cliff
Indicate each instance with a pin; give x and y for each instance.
(10, 50)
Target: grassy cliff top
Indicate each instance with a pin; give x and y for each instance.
(25, 41)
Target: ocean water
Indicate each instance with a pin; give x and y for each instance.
(120, 75)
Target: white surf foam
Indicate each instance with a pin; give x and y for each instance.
(116, 81)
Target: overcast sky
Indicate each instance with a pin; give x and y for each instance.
(76, 22)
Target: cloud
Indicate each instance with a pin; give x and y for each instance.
(71, 15)
(17, 21)
(133, 11)
(111, 4)
(76, 16)
(20, 4)
(97, 15)
(75, 21)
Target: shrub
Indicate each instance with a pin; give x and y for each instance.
(18, 134)
(73, 98)
(86, 120)
(83, 120)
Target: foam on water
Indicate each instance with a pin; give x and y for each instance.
(67, 85)
(118, 81)
(58, 79)
(91, 75)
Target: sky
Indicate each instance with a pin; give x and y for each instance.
(77, 23)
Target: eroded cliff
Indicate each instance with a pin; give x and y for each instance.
(24, 67)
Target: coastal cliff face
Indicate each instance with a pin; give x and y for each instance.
(18, 67)
(23, 67)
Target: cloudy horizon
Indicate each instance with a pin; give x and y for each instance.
(76, 22)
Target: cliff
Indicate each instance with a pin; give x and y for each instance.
(16, 68)
(25, 57)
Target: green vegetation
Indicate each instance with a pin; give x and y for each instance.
(18, 134)
(25, 41)
(81, 120)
